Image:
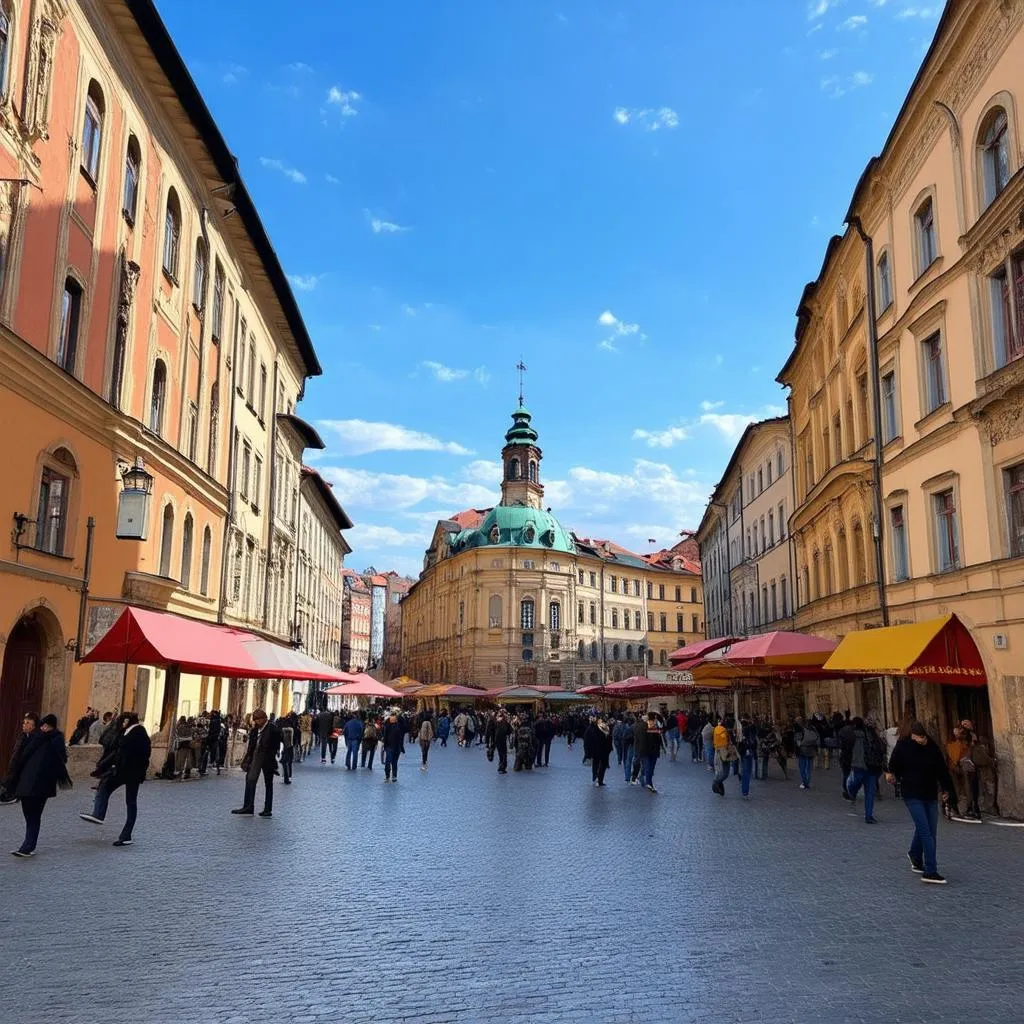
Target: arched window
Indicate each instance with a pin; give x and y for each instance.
(199, 276)
(70, 322)
(54, 505)
(615, 618)
(92, 131)
(158, 398)
(166, 540)
(5, 46)
(204, 566)
(172, 235)
(494, 611)
(615, 652)
(581, 651)
(186, 552)
(844, 564)
(593, 677)
(513, 469)
(629, 652)
(829, 579)
(593, 650)
(555, 616)
(132, 173)
(994, 148)
(526, 614)
(860, 571)
(211, 452)
(662, 657)
(533, 471)
(924, 227)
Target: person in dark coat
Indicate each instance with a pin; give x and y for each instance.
(502, 731)
(325, 730)
(126, 765)
(544, 733)
(392, 744)
(260, 759)
(40, 768)
(524, 746)
(29, 725)
(636, 763)
(353, 733)
(597, 746)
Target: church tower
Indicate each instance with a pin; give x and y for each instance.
(520, 459)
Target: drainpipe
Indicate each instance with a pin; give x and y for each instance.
(83, 594)
(230, 517)
(269, 512)
(876, 401)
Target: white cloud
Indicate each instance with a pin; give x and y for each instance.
(332, 180)
(707, 406)
(372, 537)
(855, 21)
(606, 345)
(661, 438)
(289, 172)
(648, 482)
(387, 492)
(835, 86)
(484, 471)
(861, 78)
(358, 437)
(448, 374)
(827, 54)
(305, 282)
(233, 74)
(408, 310)
(918, 12)
(344, 100)
(652, 119)
(386, 227)
(730, 424)
(620, 329)
(819, 8)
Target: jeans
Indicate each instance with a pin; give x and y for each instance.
(672, 736)
(709, 753)
(268, 786)
(329, 743)
(695, 751)
(627, 761)
(619, 750)
(648, 770)
(861, 776)
(926, 822)
(32, 809)
(746, 771)
(543, 752)
(369, 749)
(390, 763)
(806, 764)
(598, 766)
(352, 753)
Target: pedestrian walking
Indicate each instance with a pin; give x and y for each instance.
(260, 759)
(353, 733)
(920, 767)
(392, 745)
(126, 765)
(597, 745)
(866, 756)
(807, 744)
(444, 729)
(652, 750)
(425, 737)
(328, 739)
(502, 731)
(29, 725)
(635, 758)
(707, 735)
(721, 742)
(40, 768)
(747, 749)
(289, 727)
(369, 743)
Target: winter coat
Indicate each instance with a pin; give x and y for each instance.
(444, 727)
(807, 741)
(353, 731)
(132, 756)
(41, 766)
(393, 736)
(426, 733)
(597, 743)
(640, 738)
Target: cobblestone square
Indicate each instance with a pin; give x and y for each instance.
(462, 895)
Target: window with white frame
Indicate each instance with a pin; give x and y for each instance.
(884, 283)
(92, 132)
(1006, 290)
(947, 542)
(526, 614)
(890, 427)
(994, 147)
(898, 541)
(934, 372)
(555, 616)
(924, 225)
(172, 235)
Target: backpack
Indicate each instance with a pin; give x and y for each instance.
(874, 751)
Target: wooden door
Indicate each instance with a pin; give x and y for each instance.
(21, 684)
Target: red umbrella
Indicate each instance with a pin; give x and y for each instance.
(696, 651)
(367, 687)
(780, 648)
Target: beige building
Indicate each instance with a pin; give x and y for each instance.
(942, 204)
(744, 535)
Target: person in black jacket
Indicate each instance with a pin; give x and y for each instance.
(260, 759)
(502, 731)
(392, 744)
(597, 745)
(325, 730)
(543, 733)
(126, 765)
(39, 770)
(29, 725)
(919, 765)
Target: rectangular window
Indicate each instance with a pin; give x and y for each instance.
(554, 616)
(664, 622)
(782, 521)
(679, 593)
(246, 469)
(51, 517)
(526, 616)
(1015, 509)
(884, 283)
(650, 622)
(898, 531)
(693, 595)
(927, 249)
(217, 313)
(257, 480)
(70, 314)
(946, 539)
(581, 581)
(91, 134)
(679, 622)
(240, 379)
(593, 579)
(613, 584)
(837, 437)
(661, 591)
(251, 389)
(771, 529)
(782, 593)
(579, 613)
(650, 591)
(890, 429)
(636, 588)
(775, 601)
(934, 374)
(615, 618)
(193, 431)
(130, 199)
(754, 549)
(593, 614)
(639, 622)
(694, 624)
(262, 407)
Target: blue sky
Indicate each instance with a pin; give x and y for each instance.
(629, 196)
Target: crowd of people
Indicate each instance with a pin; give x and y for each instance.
(929, 780)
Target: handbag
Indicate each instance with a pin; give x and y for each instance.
(731, 753)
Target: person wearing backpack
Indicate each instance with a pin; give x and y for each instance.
(807, 743)
(867, 756)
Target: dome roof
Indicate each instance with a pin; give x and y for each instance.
(516, 526)
(521, 432)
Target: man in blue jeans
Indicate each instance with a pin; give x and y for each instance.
(864, 750)
(353, 733)
(807, 742)
(651, 750)
(920, 767)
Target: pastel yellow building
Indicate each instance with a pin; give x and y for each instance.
(942, 205)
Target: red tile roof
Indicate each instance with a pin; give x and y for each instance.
(470, 518)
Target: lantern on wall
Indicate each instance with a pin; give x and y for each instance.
(133, 502)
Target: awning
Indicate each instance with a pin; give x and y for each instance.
(368, 687)
(450, 690)
(691, 654)
(778, 648)
(937, 650)
(160, 639)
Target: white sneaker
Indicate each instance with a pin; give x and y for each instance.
(802, 786)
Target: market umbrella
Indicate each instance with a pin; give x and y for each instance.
(405, 683)
(450, 690)
(565, 697)
(363, 688)
(779, 649)
(519, 695)
(693, 653)
(641, 686)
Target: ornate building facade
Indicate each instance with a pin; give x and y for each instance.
(942, 204)
(509, 597)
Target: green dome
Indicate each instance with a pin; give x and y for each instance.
(516, 526)
(521, 432)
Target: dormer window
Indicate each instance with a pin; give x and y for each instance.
(495, 535)
(529, 533)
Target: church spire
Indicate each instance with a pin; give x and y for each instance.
(521, 458)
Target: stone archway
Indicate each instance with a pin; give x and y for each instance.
(33, 676)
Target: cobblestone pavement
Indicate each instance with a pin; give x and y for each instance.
(461, 895)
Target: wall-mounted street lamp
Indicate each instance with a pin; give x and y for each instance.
(133, 502)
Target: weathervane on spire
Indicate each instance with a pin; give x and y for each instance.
(521, 367)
